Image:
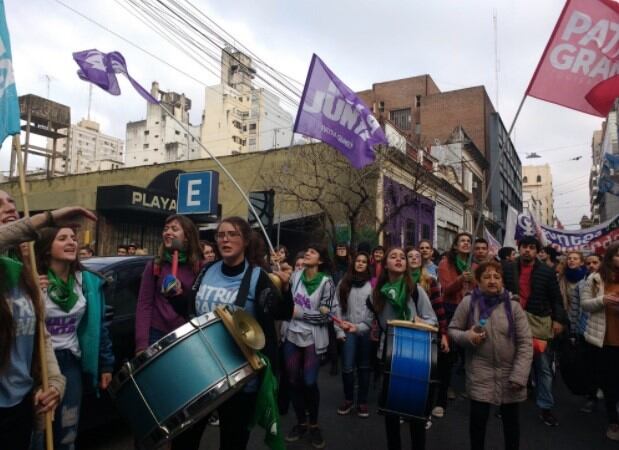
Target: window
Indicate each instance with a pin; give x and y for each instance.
(425, 231)
(539, 179)
(252, 127)
(411, 232)
(525, 180)
(417, 101)
(381, 106)
(145, 146)
(401, 118)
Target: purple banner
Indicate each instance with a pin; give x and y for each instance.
(101, 68)
(331, 112)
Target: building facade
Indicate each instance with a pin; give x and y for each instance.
(240, 117)
(90, 150)
(427, 117)
(537, 180)
(604, 206)
(159, 139)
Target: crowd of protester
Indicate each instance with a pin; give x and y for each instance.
(506, 319)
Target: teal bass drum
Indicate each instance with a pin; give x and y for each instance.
(180, 379)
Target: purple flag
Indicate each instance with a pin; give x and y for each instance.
(100, 68)
(331, 112)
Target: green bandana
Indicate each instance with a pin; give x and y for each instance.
(62, 292)
(462, 264)
(11, 269)
(416, 275)
(312, 285)
(182, 256)
(395, 292)
(266, 413)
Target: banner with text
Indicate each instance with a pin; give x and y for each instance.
(331, 112)
(595, 239)
(582, 52)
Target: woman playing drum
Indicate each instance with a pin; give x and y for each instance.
(218, 284)
(165, 298)
(393, 299)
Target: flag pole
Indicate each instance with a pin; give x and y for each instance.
(227, 172)
(279, 210)
(493, 171)
(49, 438)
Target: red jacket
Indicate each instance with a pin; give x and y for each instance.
(454, 288)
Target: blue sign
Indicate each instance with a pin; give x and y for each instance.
(197, 193)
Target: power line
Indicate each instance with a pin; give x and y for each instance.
(552, 149)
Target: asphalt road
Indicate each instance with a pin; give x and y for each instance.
(576, 430)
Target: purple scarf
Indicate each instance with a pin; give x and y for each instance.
(486, 304)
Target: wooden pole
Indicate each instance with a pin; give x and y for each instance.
(49, 438)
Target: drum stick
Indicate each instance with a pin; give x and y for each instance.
(176, 246)
(49, 438)
(327, 312)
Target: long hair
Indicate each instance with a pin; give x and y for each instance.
(43, 251)
(213, 246)
(377, 299)
(7, 327)
(425, 279)
(453, 251)
(326, 266)
(255, 251)
(192, 249)
(347, 280)
(607, 269)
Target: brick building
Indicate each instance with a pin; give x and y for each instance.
(428, 116)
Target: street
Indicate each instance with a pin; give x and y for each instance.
(576, 430)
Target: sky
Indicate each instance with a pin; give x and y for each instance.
(362, 41)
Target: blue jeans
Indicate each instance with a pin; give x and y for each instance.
(66, 417)
(542, 374)
(356, 353)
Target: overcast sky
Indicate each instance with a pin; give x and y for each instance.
(362, 41)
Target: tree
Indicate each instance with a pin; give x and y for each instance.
(318, 179)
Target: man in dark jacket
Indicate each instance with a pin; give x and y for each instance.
(538, 291)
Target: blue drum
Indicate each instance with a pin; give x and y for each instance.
(409, 354)
(180, 379)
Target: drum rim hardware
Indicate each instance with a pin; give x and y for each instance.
(203, 403)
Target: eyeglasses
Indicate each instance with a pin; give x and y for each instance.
(220, 235)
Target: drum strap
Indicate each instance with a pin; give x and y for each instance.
(241, 296)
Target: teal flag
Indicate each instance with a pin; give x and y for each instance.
(9, 106)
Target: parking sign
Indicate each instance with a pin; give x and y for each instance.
(197, 193)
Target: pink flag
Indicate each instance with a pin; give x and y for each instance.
(582, 52)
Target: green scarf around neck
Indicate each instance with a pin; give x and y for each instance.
(416, 275)
(266, 412)
(312, 285)
(11, 272)
(61, 292)
(182, 256)
(395, 292)
(462, 264)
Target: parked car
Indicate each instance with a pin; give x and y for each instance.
(123, 276)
